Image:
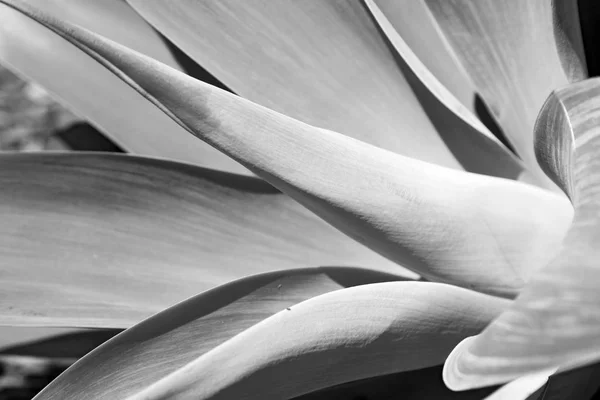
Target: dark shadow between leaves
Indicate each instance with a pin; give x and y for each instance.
(82, 136)
(463, 140)
(485, 116)
(70, 345)
(191, 67)
(411, 385)
(212, 300)
(589, 15)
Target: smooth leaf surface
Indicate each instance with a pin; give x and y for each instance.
(334, 338)
(169, 340)
(478, 150)
(466, 229)
(106, 240)
(321, 62)
(93, 92)
(515, 53)
(415, 23)
(554, 321)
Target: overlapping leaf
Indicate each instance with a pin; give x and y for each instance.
(415, 24)
(477, 149)
(168, 341)
(501, 45)
(106, 240)
(321, 62)
(461, 228)
(92, 91)
(337, 337)
(554, 321)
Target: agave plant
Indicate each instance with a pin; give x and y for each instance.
(368, 228)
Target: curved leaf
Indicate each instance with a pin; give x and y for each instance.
(321, 62)
(337, 337)
(416, 25)
(106, 240)
(554, 322)
(477, 149)
(515, 53)
(91, 91)
(443, 223)
(177, 336)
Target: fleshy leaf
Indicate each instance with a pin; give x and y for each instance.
(478, 150)
(105, 240)
(321, 62)
(471, 230)
(334, 338)
(554, 321)
(416, 25)
(516, 54)
(93, 92)
(173, 338)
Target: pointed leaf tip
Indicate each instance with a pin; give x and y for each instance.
(444, 224)
(36, 52)
(555, 320)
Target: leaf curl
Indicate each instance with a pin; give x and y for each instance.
(475, 231)
(554, 321)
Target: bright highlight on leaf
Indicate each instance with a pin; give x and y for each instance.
(554, 321)
(362, 112)
(466, 229)
(91, 90)
(103, 240)
(477, 149)
(177, 336)
(340, 336)
(501, 45)
(321, 62)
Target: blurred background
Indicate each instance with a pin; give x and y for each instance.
(31, 120)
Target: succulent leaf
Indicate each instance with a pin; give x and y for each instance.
(93, 92)
(321, 62)
(415, 24)
(177, 336)
(104, 240)
(475, 147)
(500, 43)
(480, 232)
(554, 321)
